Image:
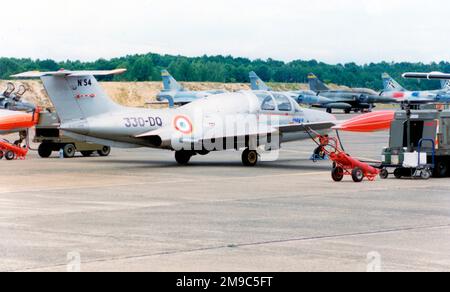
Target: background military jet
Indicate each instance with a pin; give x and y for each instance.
(239, 120)
(393, 89)
(306, 97)
(357, 99)
(259, 85)
(12, 100)
(175, 94)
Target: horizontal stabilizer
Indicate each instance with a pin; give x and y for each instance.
(68, 73)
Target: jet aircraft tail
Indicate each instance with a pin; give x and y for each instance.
(257, 83)
(315, 84)
(445, 84)
(390, 84)
(170, 84)
(76, 95)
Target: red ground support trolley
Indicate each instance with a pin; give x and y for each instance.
(11, 151)
(344, 164)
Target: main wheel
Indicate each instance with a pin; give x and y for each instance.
(44, 150)
(347, 111)
(183, 157)
(87, 153)
(1, 155)
(69, 151)
(250, 158)
(9, 155)
(384, 173)
(329, 110)
(105, 151)
(337, 174)
(357, 175)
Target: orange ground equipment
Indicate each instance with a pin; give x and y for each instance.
(344, 164)
(371, 122)
(10, 151)
(12, 121)
(16, 122)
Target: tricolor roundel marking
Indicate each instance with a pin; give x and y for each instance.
(183, 125)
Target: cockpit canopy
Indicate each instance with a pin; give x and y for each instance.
(277, 102)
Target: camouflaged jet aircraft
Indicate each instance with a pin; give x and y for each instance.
(307, 97)
(258, 85)
(393, 89)
(356, 99)
(175, 94)
(12, 100)
(255, 122)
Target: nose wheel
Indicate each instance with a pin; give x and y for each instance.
(250, 158)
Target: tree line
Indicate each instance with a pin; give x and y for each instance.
(227, 69)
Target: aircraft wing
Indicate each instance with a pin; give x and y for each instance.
(307, 126)
(65, 73)
(430, 76)
(168, 133)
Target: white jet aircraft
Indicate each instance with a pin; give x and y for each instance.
(253, 122)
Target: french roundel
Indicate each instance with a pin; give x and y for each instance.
(183, 125)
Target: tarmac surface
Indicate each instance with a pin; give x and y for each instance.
(137, 210)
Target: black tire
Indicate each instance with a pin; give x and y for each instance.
(44, 150)
(9, 155)
(398, 173)
(347, 111)
(69, 151)
(1, 155)
(87, 153)
(384, 174)
(105, 151)
(337, 174)
(249, 158)
(329, 110)
(441, 169)
(357, 175)
(183, 157)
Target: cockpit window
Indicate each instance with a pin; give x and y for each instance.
(283, 103)
(268, 104)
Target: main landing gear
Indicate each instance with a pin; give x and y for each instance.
(183, 157)
(249, 157)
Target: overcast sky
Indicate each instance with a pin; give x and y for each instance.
(327, 30)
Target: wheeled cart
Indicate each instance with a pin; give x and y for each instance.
(52, 139)
(419, 145)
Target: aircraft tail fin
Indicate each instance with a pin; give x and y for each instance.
(390, 84)
(315, 84)
(257, 83)
(445, 84)
(76, 95)
(170, 84)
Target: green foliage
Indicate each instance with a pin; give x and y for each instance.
(228, 69)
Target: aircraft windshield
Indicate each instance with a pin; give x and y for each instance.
(283, 103)
(267, 102)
